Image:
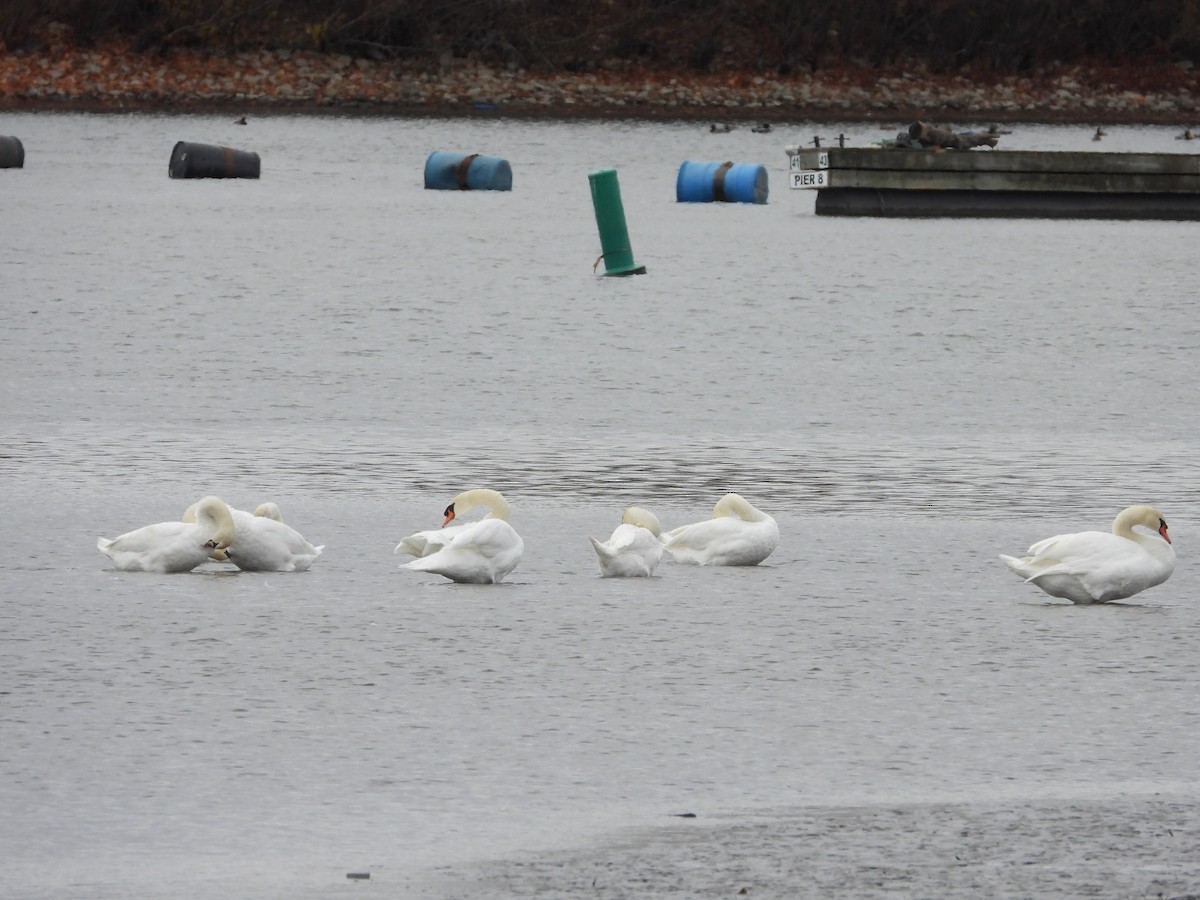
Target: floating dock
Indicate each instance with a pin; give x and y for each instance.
(999, 183)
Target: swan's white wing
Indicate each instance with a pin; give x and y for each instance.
(267, 545)
(162, 547)
(480, 553)
(632, 551)
(724, 541)
(425, 543)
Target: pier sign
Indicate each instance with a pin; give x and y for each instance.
(810, 180)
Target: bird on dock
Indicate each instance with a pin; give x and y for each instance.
(763, 128)
(1186, 136)
(241, 121)
(722, 128)
(1100, 132)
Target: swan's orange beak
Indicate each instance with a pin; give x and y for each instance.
(1162, 529)
(449, 515)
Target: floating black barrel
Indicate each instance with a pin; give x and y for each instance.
(12, 154)
(208, 161)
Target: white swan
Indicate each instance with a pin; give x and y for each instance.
(426, 543)
(173, 546)
(736, 535)
(264, 544)
(635, 547)
(267, 510)
(481, 552)
(1097, 566)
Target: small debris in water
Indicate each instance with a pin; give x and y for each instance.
(684, 815)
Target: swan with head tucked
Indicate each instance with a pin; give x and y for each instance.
(736, 535)
(173, 546)
(635, 547)
(1096, 566)
(480, 552)
(265, 544)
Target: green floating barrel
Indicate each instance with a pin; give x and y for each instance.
(207, 161)
(610, 219)
(445, 171)
(705, 182)
(12, 153)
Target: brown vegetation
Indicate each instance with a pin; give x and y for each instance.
(1042, 60)
(764, 36)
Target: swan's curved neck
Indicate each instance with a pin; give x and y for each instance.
(736, 505)
(493, 500)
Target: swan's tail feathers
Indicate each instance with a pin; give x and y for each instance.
(600, 549)
(1020, 567)
(102, 544)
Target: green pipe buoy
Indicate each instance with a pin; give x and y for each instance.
(610, 219)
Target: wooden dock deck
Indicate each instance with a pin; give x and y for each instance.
(999, 183)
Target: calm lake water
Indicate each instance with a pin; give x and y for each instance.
(879, 709)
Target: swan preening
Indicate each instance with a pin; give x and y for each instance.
(265, 543)
(1097, 566)
(256, 543)
(482, 552)
(635, 547)
(174, 546)
(738, 534)
(1088, 567)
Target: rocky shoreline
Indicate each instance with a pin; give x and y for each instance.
(108, 77)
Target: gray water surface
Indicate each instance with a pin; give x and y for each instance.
(907, 398)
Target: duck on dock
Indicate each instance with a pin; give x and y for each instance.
(722, 128)
(1100, 132)
(762, 128)
(1186, 136)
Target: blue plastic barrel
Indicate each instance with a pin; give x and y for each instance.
(209, 161)
(446, 171)
(704, 182)
(12, 153)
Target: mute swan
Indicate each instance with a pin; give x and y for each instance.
(426, 543)
(736, 535)
(481, 552)
(173, 546)
(635, 547)
(264, 544)
(267, 510)
(1097, 566)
